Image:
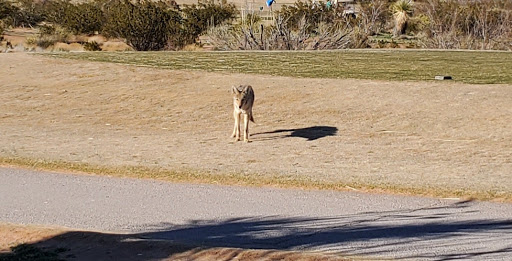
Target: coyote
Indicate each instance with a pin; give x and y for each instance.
(243, 99)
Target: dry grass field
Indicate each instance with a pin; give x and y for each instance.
(439, 138)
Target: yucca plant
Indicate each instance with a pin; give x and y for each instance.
(401, 10)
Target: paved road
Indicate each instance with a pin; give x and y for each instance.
(372, 225)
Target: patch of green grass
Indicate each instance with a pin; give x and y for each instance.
(412, 65)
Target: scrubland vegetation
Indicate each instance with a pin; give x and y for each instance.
(165, 25)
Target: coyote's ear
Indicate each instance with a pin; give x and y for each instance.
(234, 90)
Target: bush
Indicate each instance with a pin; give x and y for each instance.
(177, 36)
(148, 25)
(2, 29)
(198, 18)
(302, 26)
(7, 9)
(308, 15)
(252, 18)
(21, 12)
(372, 17)
(8, 12)
(81, 18)
(280, 36)
(467, 24)
(144, 24)
(207, 14)
(92, 46)
(48, 35)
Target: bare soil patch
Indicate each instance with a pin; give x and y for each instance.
(18, 38)
(434, 138)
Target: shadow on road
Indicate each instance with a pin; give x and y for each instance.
(426, 233)
(309, 133)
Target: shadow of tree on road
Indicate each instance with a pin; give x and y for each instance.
(430, 232)
(309, 133)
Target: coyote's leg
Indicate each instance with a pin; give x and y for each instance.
(236, 129)
(246, 127)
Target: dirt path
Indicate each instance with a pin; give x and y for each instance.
(435, 135)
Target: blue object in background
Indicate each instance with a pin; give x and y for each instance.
(270, 2)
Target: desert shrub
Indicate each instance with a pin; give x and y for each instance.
(79, 18)
(417, 24)
(31, 12)
(302, 26)
(41, 41)
(7, 9)
(280, 36)
(372, 17)
(485, 24)
(21, 12)
(198, 18)
(92, 46)
(177, 36)
(144, 24)
(2, 30)
(308, 15)
(88, 18)
(8, 12)
(48, 35)
(58, 11)
(314, 19)
(252, 18)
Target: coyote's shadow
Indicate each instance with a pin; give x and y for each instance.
(309, 133)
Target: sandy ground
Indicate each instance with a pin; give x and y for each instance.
(18, 39)
(435, 135)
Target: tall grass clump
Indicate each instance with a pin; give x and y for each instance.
(467, 24)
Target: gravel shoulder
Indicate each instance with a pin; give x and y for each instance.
(436, 138)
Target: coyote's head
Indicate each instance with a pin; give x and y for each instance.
(240, 95)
